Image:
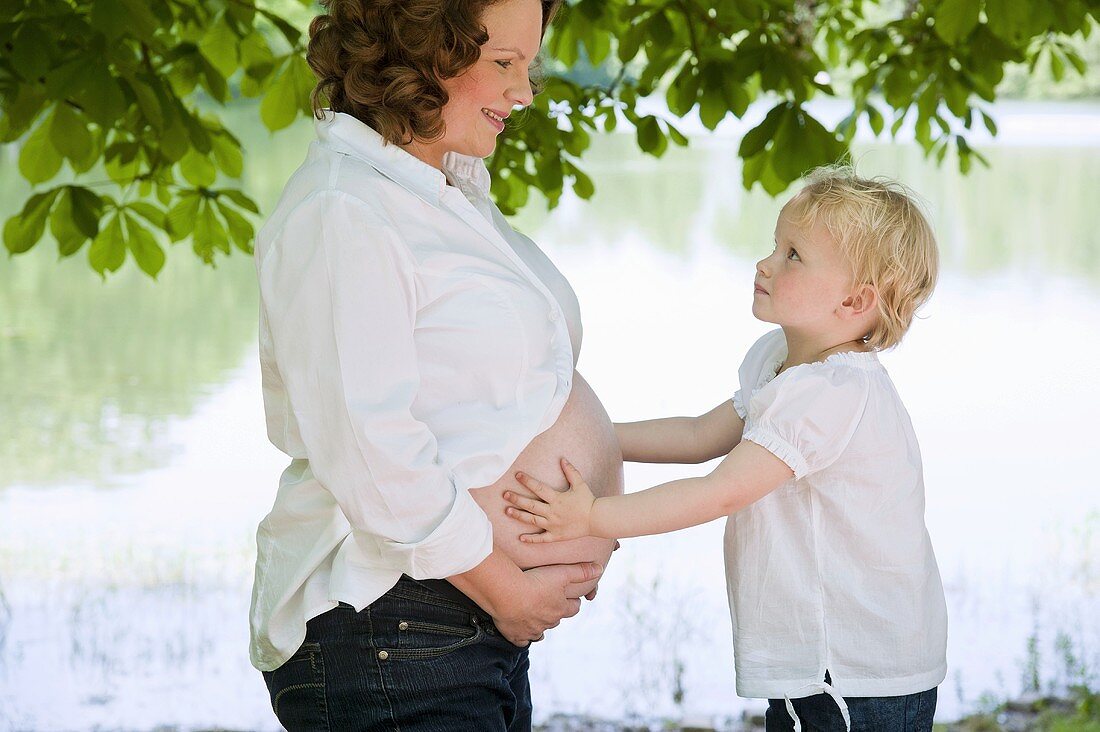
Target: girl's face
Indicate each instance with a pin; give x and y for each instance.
(482, 96)
(803, 282)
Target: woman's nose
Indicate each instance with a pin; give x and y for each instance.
(521, 94)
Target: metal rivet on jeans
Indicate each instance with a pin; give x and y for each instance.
(383, 655)
(402, 625)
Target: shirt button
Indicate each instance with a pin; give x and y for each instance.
(402, 625)
(553, 315)
(383, 655)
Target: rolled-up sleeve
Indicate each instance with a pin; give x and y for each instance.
(338, 290)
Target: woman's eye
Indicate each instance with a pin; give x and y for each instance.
(504, 64)
(792, 254)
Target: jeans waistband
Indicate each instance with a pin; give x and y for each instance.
(446, 589)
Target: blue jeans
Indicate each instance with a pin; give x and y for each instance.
(414, 660)
(820, 713)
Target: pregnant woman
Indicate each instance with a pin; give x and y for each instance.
(416, 351)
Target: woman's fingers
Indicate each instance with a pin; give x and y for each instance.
(540, 538)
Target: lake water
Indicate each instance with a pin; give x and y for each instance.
(134, 466)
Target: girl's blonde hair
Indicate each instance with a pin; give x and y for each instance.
(881, 231)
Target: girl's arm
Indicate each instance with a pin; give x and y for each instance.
(682, 439)
(747, 474)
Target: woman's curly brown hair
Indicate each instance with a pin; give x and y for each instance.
(383, 61)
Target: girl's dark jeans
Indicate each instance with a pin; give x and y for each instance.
(414, 660)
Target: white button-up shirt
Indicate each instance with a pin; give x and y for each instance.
(412, 344)
(833, 570)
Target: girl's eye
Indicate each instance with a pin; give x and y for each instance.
(504, 64)
(792, 254)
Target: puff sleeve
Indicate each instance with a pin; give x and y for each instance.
(807, 415)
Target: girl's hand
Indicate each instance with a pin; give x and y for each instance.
(560, 514)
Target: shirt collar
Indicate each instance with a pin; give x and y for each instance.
(348, 135)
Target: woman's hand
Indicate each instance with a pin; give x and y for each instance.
(542, 602)
(560, 514)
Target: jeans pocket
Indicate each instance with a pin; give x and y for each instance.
(423, 639)
(297, 690)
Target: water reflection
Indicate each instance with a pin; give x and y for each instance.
(92, 372)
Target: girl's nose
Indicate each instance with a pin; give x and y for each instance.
(762, 266)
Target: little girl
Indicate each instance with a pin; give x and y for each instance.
(838, 610)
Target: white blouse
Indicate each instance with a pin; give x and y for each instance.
(411, 344)
(834, 569)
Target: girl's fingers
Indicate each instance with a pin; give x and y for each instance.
(526, 517)
(534, 485)
(539, 538)
(571, 474)
(527, 504)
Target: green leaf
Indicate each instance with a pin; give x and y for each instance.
(649, 134)
(219, 46)
(174, 142)
(150, 213)
(209, 235)
(147, 101)
(87, 210)
(1057, 66)
(660, 30)
(712, 108)
(1008, 19)
(108, 250)
(874, 117)
(954, 19)
(256, 54)
(109, 17)
(289, 32)
(22, 231)
(19, 112)
(1074, 58)
(140, 19)
(30, 51)
(683, 91)
(39, 160)
(213, 81)
(100, 96)
(182, 216)
(198, 169)
(63, 225)
(122, 162)
(143, 245)
(288, 95)
(756, 138)
(678, 137)
(240, 199)
(582, 184)
(240, 230)
(630, 42)
(69, 132)
(989, 123)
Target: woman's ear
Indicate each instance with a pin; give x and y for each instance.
(861, 302)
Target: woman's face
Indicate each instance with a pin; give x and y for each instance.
(482, 96)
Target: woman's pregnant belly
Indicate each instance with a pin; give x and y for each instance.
(583, 433)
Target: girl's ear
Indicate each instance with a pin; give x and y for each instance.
(862, 301)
